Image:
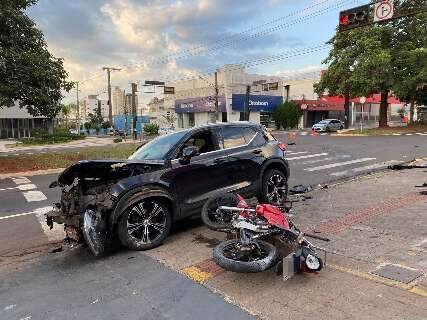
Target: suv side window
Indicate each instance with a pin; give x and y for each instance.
(232, 137)
(204, 141)
(254, 137)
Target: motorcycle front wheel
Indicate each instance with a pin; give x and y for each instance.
(231, 255)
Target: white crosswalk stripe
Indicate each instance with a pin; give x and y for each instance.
(294, 153)
(338, 164)
(326, 159)
(308, 156)
(380, 165)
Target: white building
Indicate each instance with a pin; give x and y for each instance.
(194, 100)
(91, 105)
(118, 101)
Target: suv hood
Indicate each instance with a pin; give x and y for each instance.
(107, 169)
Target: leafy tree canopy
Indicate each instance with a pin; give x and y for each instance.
(380, 58)
(287, 115)
(28, 72)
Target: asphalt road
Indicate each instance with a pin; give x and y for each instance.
(313, 160)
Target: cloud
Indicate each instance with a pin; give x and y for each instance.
(91, 34)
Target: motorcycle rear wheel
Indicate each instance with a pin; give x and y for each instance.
(250, 263)
(214, 219)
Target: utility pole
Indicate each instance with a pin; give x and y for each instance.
(110, 107)
(246, 111)
(77, 107)
(134, 115)
(216, 96)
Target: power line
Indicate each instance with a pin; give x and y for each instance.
(221, 43)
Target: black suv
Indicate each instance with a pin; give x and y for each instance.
(167, 179)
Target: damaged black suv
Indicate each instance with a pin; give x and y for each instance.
(167, 179)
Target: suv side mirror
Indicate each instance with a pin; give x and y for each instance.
(188, 153)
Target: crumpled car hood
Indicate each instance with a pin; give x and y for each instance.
(107, 169)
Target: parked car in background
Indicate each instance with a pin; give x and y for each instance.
(328, 125)
(116, 132)
(74, 131)
(168, 179)
(166, 130)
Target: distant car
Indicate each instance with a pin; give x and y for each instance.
(74, 131)
(116, 132)
(328, 125)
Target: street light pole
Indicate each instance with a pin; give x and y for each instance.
(216, 96)
(110, 107)
(77, 107)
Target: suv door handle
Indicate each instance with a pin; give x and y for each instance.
(257, 151)
(220, 160)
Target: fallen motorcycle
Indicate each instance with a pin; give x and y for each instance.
(246, 252)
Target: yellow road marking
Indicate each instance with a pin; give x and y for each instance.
(388, 282)
(196, 274)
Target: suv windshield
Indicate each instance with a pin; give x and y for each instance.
(324, 122)
(158, 148)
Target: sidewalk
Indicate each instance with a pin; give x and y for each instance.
(377, 225)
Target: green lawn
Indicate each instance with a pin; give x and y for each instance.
(53, 160)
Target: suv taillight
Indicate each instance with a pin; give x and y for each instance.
(282, 147)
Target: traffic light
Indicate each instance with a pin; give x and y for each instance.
(355, 17)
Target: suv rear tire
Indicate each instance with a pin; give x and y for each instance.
(274, 189)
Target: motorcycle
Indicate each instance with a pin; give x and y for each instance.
(246, 252)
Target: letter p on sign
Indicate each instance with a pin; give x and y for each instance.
(383, 11)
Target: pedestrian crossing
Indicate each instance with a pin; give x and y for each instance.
(335, 165)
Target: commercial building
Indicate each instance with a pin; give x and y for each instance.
(333, 108)
(240, 96)
(16, 122)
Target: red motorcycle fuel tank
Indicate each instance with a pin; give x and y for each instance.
(273, 215)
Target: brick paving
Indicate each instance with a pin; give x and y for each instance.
(343, 223)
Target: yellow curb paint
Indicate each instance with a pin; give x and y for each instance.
(372, 277)
(196, 274)
(418, 291)
(385, 281)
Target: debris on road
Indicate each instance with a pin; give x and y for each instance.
(416, 163)
(300, 189)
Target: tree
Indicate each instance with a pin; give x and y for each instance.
(66, 110)
(379, 58)
(29, 74)
(96, 119)
(287, 115)
(410, 55)
(170, 119)
(360, 63)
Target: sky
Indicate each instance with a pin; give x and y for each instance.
(176, 39)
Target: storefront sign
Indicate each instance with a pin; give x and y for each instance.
(257, 103)
(201, 104)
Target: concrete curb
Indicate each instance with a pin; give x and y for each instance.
(30, 173)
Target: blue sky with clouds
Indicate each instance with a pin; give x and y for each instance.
(164, 38)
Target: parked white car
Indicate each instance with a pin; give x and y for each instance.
(328, 125)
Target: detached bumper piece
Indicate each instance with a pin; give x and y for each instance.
(94, 231)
